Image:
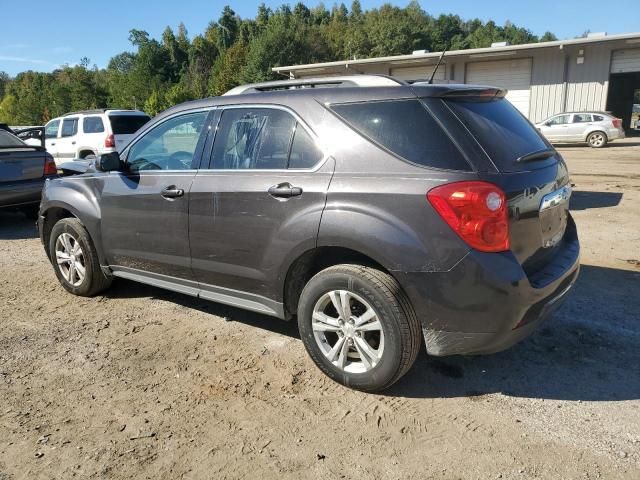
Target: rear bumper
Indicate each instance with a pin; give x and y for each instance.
(21, 193)
(487, 303)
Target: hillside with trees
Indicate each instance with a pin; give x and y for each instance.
(159, 73)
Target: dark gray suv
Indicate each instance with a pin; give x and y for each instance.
(376, 212)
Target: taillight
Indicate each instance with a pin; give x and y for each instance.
(617, 123)
(50, 167)
(476, 211)
(110, 141)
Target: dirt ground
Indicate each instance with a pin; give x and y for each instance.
(144, 383)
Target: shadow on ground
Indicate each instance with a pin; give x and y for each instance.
(581, 200)
(587, 351)
(15, 226)
(614, 144)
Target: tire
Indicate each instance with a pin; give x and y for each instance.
(31, 211)
(71, 231)
(396, 343)
(597, 139)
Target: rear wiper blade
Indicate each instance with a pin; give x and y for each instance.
(539, 155)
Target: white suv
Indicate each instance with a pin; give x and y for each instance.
(91, 133)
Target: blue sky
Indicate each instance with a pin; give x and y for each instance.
(41, 35)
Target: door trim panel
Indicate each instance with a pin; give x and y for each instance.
(226, 296)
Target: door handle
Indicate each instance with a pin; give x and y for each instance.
(172, 192)
(53, 144)
(285, 190)
(73, 143)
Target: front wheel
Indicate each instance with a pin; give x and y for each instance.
(75, 260)
(358, 326)
(597, 139)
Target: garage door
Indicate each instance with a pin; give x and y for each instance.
(624, 61)
(419, 73)
(514, 75)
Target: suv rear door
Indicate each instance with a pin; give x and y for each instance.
(256, 202)
(144, 208)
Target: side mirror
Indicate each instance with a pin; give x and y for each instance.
(108, 162)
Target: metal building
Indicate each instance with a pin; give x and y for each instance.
(599, 72)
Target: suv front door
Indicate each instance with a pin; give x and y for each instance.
(262, 195)
(51, 137)
(145, 206)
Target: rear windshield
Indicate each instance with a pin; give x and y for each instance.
(407, 129)
(127, 124)
(501, 130)
(8, 140)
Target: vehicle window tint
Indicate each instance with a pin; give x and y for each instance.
(504, 133)
(560, 120)
(169, 146)
(92, 125)
(51, 130)
(304, 152)
(581, 118)
(405, 128)
(257, 138)
(598, 118)
(69, 127)
(127, 124)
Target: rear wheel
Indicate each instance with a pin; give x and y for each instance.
(358, 326)
(597, 139)
(75, 260)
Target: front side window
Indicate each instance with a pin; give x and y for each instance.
(559, 120)
(169, 146)
(257, 138)
(69, 127)
(581, 118)
(92, 125)
(51, 130)
(405, 128)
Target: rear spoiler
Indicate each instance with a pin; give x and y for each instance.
(31, 132)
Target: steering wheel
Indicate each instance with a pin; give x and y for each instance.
(180, 160)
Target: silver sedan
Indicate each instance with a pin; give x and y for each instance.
(595, 128)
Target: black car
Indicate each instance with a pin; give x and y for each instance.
(23, 171)
(379, 214)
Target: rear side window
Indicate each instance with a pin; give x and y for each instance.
(92, 125)
(304, 152)
(127, 124)
(581, 118)
(598, 118)
(406, 129)
(69, 127)
(501, 130)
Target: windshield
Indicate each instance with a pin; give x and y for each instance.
(504, 133)
(8, 140)
(127, 124)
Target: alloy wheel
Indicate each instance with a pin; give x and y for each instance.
(70, 259)
(348, 331)
(596, 140)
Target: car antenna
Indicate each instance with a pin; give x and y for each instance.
(437, 65)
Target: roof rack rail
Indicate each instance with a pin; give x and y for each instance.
(318, 82)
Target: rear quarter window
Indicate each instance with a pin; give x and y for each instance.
(406, 129)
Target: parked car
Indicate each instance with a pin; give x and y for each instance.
(597, 129)
(23, 172)
(375, 215)
(90, 133)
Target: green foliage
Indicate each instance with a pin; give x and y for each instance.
(158, 74)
